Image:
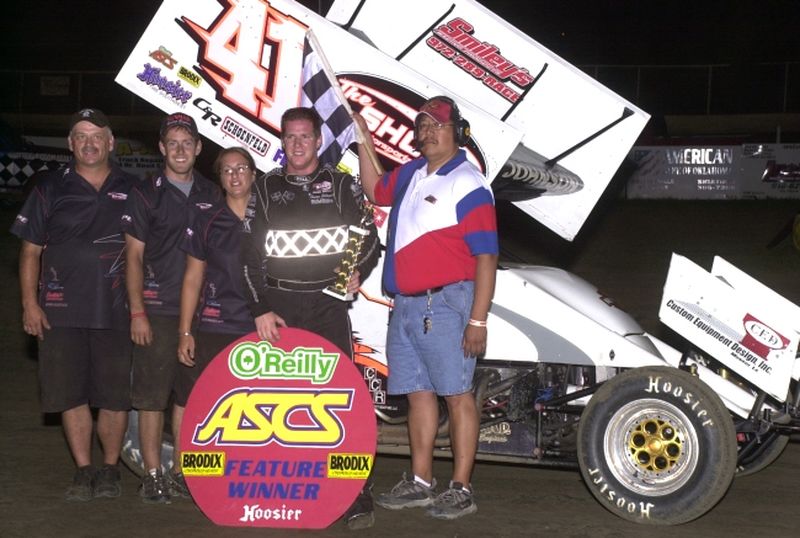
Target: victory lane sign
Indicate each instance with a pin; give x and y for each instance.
(278, 434)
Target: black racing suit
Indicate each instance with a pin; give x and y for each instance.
(299, 231)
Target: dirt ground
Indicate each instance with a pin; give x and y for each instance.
(624, 250)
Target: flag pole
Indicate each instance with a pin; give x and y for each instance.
(360, 136)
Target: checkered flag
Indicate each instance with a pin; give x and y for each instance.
(319, 93)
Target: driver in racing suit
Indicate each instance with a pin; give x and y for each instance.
(301, 218)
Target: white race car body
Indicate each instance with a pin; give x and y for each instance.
(570, 378)
(545, 314)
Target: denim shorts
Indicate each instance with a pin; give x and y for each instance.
(433, 360)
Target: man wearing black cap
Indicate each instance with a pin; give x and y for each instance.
(158, 213)
(441, 203)
(73, 299)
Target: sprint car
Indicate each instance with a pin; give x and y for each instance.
(571, 380)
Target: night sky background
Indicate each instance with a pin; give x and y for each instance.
(62, 36)
(624, 44)
(98, 35)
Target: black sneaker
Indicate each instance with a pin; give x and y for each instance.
(107, 482)
(176, 484)
(361, 514)
(407, 494)
(82, 488)
(154, 488)
(454, 502)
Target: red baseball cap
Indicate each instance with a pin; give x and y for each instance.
(439, 109)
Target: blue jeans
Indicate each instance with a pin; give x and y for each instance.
(433, 360)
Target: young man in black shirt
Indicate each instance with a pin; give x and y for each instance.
(158, 213)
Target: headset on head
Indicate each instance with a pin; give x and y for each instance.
(460, 125)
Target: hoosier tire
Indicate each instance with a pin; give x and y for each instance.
(769, 450)
(657, 446)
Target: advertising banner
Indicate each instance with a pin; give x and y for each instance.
(278, 434)
(17, 167)
(770, 171)
(685, 172)
(575, 131)
(236, 67)
(740, 322)
(750, 171)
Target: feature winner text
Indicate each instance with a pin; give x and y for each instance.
(285, 479)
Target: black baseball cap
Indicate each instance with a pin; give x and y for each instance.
(92, 115)
(179, 119)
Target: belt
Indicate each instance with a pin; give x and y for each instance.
(423, 293)
(294, 285)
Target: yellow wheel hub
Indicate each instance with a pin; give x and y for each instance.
(655, 445)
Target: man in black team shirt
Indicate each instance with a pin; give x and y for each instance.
(158, 213)
(73, 299)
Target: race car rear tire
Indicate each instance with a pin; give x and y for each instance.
(752, 459)
(657, 446)
(772, 447)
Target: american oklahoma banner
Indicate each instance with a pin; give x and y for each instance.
(747, 172)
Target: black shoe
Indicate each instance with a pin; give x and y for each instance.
(361, 514)
(82, 488)
(176, 484)
(107, 482)
(154, 488)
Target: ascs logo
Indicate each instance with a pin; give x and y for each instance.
(258, 417)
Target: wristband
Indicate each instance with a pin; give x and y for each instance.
(141, 314)
(476, 323)
(184, 333)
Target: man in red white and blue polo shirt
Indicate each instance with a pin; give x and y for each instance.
(440, 266)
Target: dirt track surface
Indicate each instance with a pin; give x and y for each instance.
(624, 250)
